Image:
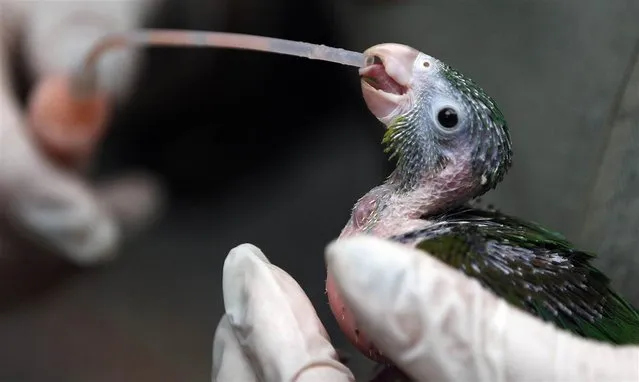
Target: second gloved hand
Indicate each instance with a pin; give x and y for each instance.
(47, 212)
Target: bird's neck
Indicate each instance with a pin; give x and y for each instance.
(425, 181)
(414, 196)
(392, 208)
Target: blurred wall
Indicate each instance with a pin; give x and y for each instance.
(284, 173)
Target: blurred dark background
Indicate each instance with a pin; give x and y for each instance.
(275, 150)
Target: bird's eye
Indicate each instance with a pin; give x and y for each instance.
(447, 117)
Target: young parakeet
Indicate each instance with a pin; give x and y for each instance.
(452, 145)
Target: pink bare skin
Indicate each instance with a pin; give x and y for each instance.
(390, 84)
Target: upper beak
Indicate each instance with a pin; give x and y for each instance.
(385, 100)
(397, 59)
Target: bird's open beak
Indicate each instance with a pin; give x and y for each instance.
(386, 79)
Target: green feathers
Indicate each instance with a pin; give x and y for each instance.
(473, 91)
(490, 127)
(392, 140)
(533, 269)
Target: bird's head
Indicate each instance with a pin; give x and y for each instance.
(436, 119)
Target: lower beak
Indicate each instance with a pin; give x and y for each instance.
(384, 106)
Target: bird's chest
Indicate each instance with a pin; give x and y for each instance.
(369, 219)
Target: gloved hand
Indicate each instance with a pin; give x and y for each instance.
(434, 323)
(44, 208)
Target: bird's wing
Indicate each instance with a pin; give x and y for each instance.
(532, 268)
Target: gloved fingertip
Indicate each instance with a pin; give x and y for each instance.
(252, 249)
(365, 254)
(239, 271)
(344, 253)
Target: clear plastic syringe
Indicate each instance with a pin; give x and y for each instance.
(84, 77)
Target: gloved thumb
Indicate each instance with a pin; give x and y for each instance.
(437, 324)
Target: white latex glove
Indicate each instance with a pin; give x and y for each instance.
(270, 331)
(50, 209)
(433, 322)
